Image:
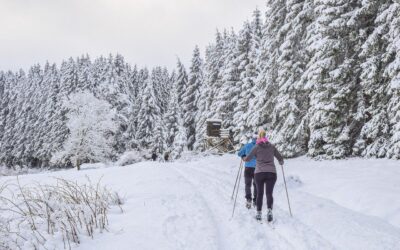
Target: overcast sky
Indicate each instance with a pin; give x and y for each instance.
(145, 32)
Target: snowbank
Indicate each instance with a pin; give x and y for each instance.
(18, 170)
(130, 157)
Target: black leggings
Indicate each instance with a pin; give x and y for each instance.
(248, 180)
(268, 179)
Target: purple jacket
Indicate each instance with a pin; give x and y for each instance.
(265, 153)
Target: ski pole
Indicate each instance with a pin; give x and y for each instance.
(287, 194)
(237, 191)
(237, 176)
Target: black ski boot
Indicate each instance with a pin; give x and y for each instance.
(269, 215)
(259, 215)
(248, 204)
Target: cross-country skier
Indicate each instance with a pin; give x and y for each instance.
(249, 168)
(265, 173)
(154, 156)
(166, 156)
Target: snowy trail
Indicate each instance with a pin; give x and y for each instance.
(187, 205)
(288, 234)
(173, 215)
(342, 227)
(222, 212)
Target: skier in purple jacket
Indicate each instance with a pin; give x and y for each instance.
(265, 173)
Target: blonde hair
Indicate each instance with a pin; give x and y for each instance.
(261, 133)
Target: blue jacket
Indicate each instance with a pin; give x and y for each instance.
(245, 150)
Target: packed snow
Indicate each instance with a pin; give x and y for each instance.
(346, 204)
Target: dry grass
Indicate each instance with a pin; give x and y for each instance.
(32, 215)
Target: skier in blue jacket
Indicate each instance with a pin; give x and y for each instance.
(249, 168)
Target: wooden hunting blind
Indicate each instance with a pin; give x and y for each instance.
(213, 128)
(217, 138)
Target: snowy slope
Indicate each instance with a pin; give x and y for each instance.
(349, 204)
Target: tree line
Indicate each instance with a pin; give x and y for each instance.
(322, 77)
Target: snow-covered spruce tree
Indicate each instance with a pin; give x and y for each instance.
(208, 88)
(161, 81)
(23, 123)
(256, 34)
(180, 138)
(373, 96)
(132, 90)
(133, 81)
(246, 49)
(265, 88)
(148, 117)
(181, 80)
(36, 96)
(190, 98)
(7, 115)
(245, 81)
(394, 115)
(170, 119)
(17, 133)
(3, 104)
(167, 83)
(68, 77)
(331, 76)
(249, 76)
(114, 88)
(91, 124)
(227, 87)
(98, 75)
(83, 68)
(141, 79)
(289, 124)
(393, 73)
(52, 132)
(15, 149)
(214, 78)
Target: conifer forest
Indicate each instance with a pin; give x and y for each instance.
(322, 77)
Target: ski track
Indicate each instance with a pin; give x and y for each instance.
(205, 211)
(336, 227)
(226, 232)
(187, 218)
(288, 233)
(291, 231)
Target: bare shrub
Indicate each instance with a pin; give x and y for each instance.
(41, 216)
